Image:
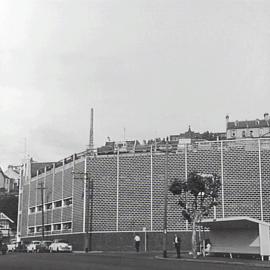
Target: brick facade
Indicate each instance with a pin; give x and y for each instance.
(128, 190)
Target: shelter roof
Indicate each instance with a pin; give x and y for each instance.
(232, 223)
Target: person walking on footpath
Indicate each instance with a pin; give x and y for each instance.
(177, 244)
(137, 241)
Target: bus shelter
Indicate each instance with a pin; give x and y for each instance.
(238, 235)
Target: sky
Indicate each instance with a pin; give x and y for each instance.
(149, 68)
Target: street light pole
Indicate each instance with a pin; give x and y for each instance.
(87, 236)
(165, 202)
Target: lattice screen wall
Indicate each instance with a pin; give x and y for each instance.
(128, 188)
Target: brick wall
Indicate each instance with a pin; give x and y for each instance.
(128, 188)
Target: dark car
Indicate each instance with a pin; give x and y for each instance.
(3, 248)
(20, 247)
(44, 246)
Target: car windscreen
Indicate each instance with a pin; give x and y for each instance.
(62, 241)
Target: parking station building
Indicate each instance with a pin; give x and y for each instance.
(127, 192)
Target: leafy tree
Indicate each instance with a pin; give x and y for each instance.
(196, 196)
(9, 206)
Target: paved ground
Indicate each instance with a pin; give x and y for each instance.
(120, 261)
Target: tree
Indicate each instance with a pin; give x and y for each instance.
(9, 206)
(196, 196)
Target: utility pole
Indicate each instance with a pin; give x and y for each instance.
(42, 188)
(89, 197)
(165, 201)
(91, 134)
(87, 244)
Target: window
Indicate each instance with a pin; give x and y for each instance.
(57, 204)
(31, 229)
(67, 226)
(57, 227)
(39, 208)
(68, 202)
(48, 206)
(32, 210)
(39, 229)
(47, 228)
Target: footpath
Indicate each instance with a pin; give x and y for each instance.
(251, 262)
(157, 255)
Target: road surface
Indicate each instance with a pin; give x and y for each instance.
(105, 261)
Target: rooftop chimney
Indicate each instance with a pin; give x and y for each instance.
(266, 117)
(227, 121)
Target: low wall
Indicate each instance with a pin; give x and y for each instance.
(122, 241)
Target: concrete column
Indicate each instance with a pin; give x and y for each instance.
(151, 191)
(260, 178)
(117, 190)
(72, 210)
(222, 179)
(84, 192)
(186, 173)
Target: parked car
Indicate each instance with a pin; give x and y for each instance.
(44, 246)
(32, 247)
(12, 245)
(20, 247)
(60, 245)
(3, 248)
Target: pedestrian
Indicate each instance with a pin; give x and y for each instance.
(137, 241)
(207, 247)
(177, 244)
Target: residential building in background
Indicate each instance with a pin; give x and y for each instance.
(3, 181)
(13, 174)
(197, 136)
(9, 180)
(249, 128)
(5, 225)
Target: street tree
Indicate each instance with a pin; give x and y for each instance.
(196, 196)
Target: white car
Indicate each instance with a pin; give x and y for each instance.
(11, 246)
(60, 245)
(32, 247)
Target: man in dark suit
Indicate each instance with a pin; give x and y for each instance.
(177, 244)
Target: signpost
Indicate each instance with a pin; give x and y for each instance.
(145, 239)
